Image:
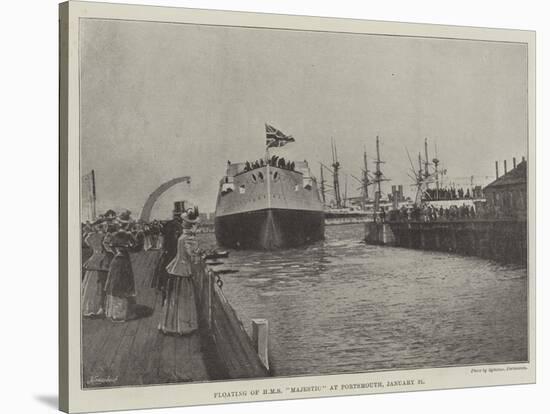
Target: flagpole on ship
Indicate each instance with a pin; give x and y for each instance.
(266, 146)
(267, 171)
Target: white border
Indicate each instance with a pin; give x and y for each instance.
(195, 394)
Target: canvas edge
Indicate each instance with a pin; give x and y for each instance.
(70, 398)
(63, 209)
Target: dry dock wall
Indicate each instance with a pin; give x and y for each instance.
(241, 356)
(502, 240)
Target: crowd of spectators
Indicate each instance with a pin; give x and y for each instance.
(429, 213)
(448, 193)
(147, 235)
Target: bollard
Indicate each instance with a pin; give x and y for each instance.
(260, 335)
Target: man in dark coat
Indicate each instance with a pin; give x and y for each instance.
(171, 231)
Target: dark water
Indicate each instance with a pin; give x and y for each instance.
(343, 306)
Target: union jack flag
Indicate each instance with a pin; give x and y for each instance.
(275, 138)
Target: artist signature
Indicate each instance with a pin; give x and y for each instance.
(97, 380)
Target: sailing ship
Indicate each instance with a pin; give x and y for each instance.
(270, 203)
(431, 189)
(343, 209)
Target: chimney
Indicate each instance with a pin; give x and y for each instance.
(514, 162)
(505, 168)
(496, 167)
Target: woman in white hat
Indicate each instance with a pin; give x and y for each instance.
(179, 315)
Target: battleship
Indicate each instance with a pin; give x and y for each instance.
(269, 204)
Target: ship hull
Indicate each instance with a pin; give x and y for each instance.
(269, 229)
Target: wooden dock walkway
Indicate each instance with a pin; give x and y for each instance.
(135, 352)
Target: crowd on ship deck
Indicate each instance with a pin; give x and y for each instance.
(274, 161)
(108, 286)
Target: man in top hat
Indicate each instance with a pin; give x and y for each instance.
(171, 231)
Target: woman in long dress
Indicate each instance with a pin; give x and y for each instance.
(120, 287)
(179, 315)
(147, 237)
(155, 235)
(93, 294)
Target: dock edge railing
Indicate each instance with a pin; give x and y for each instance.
(242, 356)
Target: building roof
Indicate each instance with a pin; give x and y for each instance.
(515, 176)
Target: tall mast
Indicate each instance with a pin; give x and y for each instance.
(336, 167)
(419, 182)
(378, 176)
(426, 162)
(345, 190)
(436, 164)
(378, 162)
(365, 180)
(322, 185)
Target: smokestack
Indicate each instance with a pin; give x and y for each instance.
(514, 162)
(505, 168)
(496, 167)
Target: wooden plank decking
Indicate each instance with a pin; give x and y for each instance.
(135, 352)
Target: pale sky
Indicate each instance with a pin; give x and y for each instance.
(162, 100)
